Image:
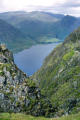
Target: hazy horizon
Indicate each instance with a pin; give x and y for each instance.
(67, 7)
(38, 11)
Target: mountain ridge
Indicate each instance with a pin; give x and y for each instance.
(39, 27)
(59, 75)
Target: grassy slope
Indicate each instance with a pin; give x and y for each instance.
(59, 77)
(7, 116)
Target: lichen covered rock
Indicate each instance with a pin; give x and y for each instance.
(17, 92)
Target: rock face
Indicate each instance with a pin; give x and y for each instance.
(59, 77)
(17, 92)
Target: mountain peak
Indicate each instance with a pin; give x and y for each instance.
(69, 17)
(68, 20)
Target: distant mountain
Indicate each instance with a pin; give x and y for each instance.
(33, 24)
(20, 16)
(68, 20)
(13, 37)
(59, 16)
(59, 76)
(65, 26)
(42, 24)
(41, 27)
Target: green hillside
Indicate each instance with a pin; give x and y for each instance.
(13, 37)
(6, 116)
(59, 77)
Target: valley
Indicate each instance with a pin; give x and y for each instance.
(43, 93)
(30, 60)
(39, 66)
(35, 28)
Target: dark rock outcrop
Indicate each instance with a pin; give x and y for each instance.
(17, 92)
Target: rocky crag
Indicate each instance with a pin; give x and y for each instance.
(17, 92)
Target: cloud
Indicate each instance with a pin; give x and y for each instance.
(72, 3)
(1, 5)
(71, 7)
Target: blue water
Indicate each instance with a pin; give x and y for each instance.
(30, 60)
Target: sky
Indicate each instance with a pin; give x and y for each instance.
(70, 7)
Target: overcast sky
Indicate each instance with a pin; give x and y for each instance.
(71, 7)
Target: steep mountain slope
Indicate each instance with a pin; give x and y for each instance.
(65, 26)
(42, 25)
(17, 92)
(12, 36)
(59, 77)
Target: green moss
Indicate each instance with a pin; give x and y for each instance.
(68, 55)
(30, 83)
